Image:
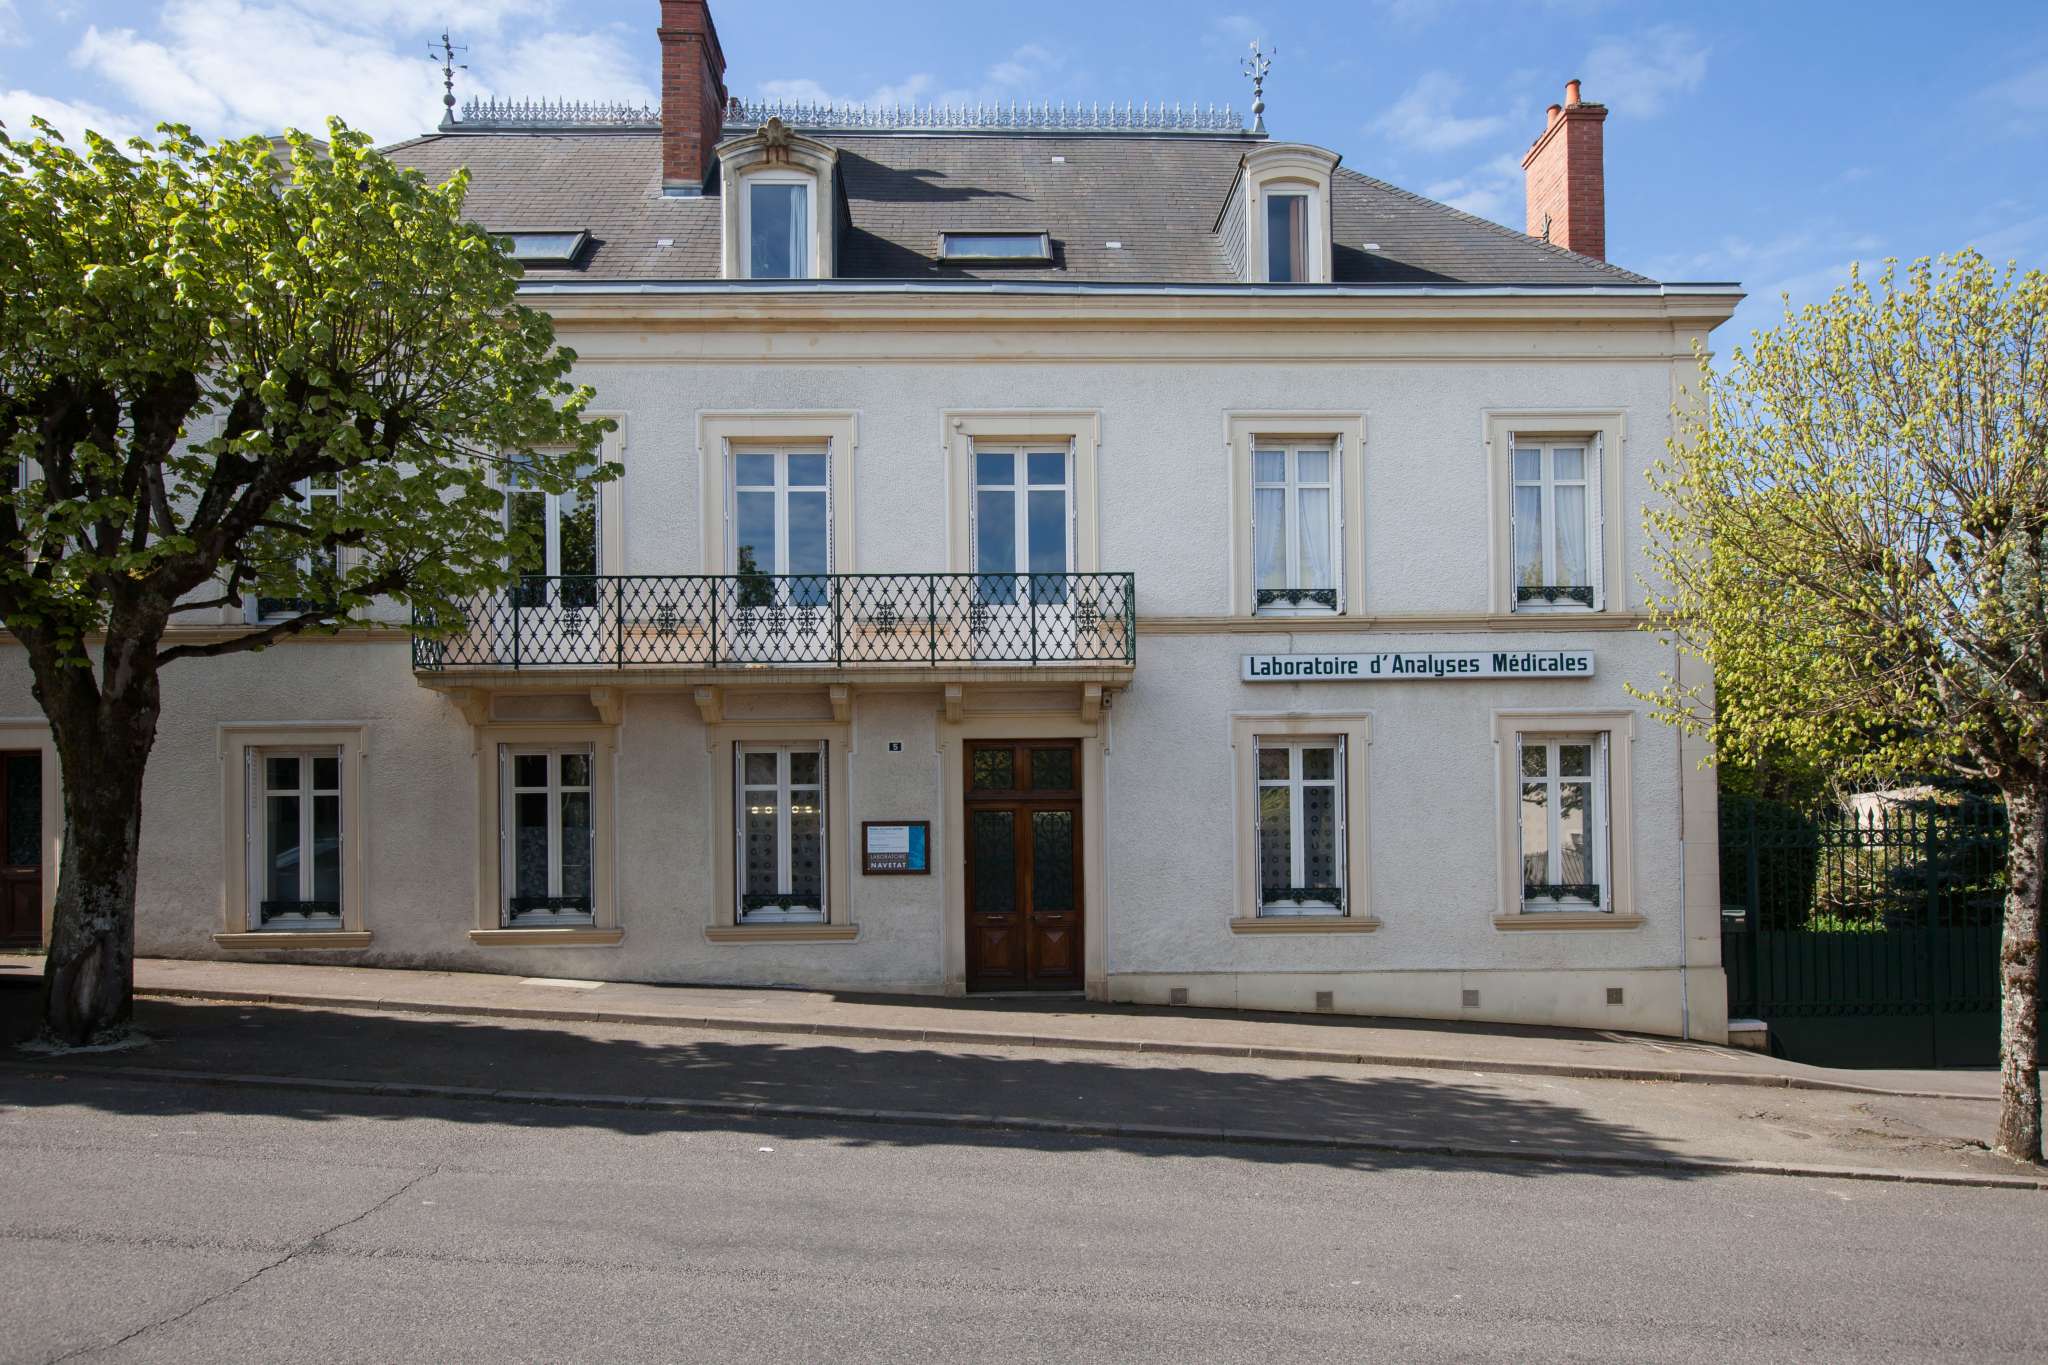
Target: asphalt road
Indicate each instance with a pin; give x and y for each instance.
(160, 1222)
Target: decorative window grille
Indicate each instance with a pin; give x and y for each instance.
(1301, 826)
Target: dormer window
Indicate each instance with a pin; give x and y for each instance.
(1276, 223)
(776, 244)
(1287, 247)
(779, 210)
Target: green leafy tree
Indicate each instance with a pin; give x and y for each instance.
(231, 372)
(1854, 529)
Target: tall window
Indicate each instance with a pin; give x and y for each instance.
(782, 512)
(1295, 528)
(317, 493)
(1023, 522)
(1301, 826)
(1556, 514)
(781, 832)
(295, 838)
(546, 834)
(1564, 822)
(557, 566)
(777, 240)
(1287, 244)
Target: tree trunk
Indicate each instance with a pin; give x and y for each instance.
(2019, 969)
(103, 740)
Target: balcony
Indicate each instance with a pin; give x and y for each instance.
(888, 622)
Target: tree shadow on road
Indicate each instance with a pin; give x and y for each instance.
(1411, 1119)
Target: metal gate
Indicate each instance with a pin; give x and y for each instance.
(1866, 936)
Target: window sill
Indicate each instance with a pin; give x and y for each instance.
(1305, 924)
(546, 938)
(1568, 919)
(286, 938)
(781, 933)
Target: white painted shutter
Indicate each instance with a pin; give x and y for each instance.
(1508, 553)
(1596, 501)
(1337, 560)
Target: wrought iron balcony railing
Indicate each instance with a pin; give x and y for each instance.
(819, 620)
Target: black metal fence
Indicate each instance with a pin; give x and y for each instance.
(1866, 936)
(824, 620)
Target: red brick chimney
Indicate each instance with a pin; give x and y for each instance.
(1567, 181)
(692, 94)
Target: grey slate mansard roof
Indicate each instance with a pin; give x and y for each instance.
(1158, 196)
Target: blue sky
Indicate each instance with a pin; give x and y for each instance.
(1770, 143)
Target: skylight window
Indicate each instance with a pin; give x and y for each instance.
(994, 246)
(546, 248)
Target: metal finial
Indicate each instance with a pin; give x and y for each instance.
(1256, 66)
(446, 51)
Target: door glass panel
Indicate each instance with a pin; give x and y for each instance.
(327, 849)
(755, 514)
(281, 817)
(1319, 835)
(1048, 532)
(1535, 834)
(529, 770)
(281, 773)
(993, 847)
(578, 532)
(1276, 833)
(753, 470)
(1273, 763)
(806, 471)
(1269, 510)
(995, 540)
(761, 870)
(803, 768)
(1319, 764)
(526, 517)
(994, 769)
(808, 552)
(530, 842)
(1052, 769)
(25, 810)
(806, 848)
(326, 772)
(575, 770)
(1528, 536)
(1574, 860)
(760, 768)
(1052, 860)
(576, 846)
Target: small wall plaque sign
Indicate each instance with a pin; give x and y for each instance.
(900, 848)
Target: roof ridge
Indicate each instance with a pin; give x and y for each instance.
(1571, 257)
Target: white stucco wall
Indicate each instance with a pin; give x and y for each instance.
(1167, 799)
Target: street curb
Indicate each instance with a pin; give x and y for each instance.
(997, 1123)
(996, 1038)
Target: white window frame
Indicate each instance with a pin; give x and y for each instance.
(807, 268)
(306, 489)
(257, 791)
(1295, 784)
(1310, 269)
(1553, 782)
(1021, 489)
(1291, 488)
(508, 793)
(783, 791)
(779, 559)
(1594, 482)
(1618, 909)
(551, 523)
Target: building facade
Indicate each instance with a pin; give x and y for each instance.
(1114, 553)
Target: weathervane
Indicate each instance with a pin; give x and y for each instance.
(446, 53)
(1256, 66)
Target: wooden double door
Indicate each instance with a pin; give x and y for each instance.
(1023, 846)
(21, 850)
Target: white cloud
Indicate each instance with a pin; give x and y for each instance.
(70, 118)
(1492, 190)
(1638, 75)
(1027, 73)
(2019, 103)
(237, 66)
(1421, 118)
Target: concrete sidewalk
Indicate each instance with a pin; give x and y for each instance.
(1054, 1023)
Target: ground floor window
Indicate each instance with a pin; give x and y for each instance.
(295, 838)
(779, 820)
(547, 835)
(1562, 817)
(1301, 838)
